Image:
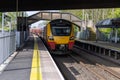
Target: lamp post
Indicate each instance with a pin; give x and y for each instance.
(3, 23)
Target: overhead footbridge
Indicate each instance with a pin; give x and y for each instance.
(42, 15)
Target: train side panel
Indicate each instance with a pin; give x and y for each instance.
(49, 37)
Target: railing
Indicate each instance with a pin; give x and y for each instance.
(7, 45)
(84, 35)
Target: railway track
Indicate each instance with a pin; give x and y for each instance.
(98, 59)
(81, 68)
(100, 71)
(86, 66)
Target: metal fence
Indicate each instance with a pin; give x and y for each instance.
(7, 45)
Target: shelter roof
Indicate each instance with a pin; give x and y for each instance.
(109, 23)
(33, 5)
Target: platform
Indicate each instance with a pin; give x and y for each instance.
(112, 46)
(33, 62)
(105, 48)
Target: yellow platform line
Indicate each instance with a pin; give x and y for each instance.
(36, 73)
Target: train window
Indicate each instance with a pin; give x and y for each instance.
(61, 31)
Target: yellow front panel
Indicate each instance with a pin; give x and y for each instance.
(61, 39)
(72, 31)
(48, 30)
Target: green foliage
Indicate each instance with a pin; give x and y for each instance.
(117, 12)
(13, 18)
(12, 15)
(6, 28)
(105, 30)
(95, 14)
(76, 28)
(0, 17)
(118, 32)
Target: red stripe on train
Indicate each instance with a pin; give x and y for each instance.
(51, 45)
(70, 45)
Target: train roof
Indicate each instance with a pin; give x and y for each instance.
(60, 21)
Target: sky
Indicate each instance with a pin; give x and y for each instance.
(31, 13)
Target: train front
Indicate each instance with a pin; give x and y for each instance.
(61, 37)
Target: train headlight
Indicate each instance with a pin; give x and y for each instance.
(72, 38)
(50, 38)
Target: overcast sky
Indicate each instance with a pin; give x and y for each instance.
(31, 12)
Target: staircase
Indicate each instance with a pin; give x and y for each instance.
(92, 33)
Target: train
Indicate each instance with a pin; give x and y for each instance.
(58, 35)
(36, 31)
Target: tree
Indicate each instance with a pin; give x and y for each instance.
(117, 12)
(95, 14)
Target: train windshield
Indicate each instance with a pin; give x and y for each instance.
(61, 31)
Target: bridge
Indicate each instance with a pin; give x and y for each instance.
(42, 15)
